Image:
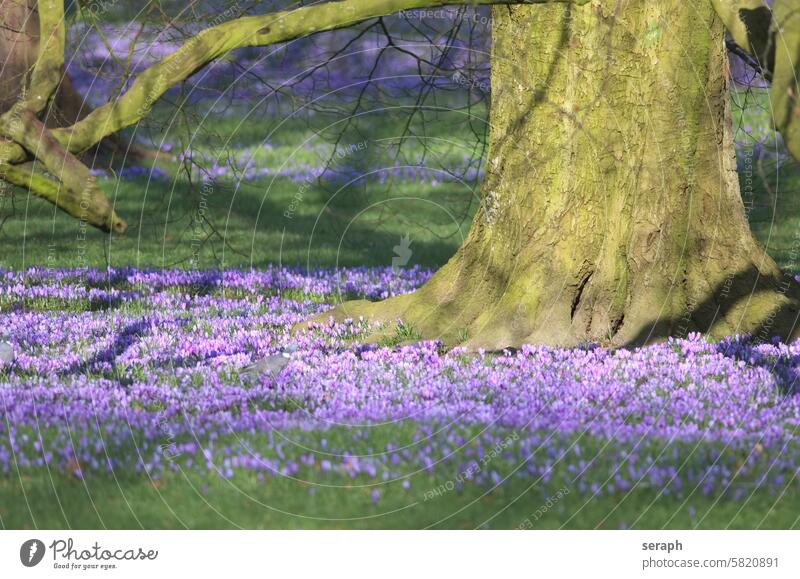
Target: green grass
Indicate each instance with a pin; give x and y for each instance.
(313, 498)
(190, 500)
(403, 333)
(246, 228)
(175, 222)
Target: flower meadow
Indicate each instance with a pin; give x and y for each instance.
(132, 372)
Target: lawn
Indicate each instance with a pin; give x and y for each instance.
(193, 501)
(286, 217)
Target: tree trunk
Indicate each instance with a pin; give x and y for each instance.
(19, 45)
(611, 208)
(19, 41)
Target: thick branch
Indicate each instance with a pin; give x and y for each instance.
(24, 175)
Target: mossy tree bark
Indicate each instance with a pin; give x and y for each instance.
(611, 209)
(19, 35)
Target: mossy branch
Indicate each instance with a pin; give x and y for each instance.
(46, 75)
(212, 43)
(24, 175)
